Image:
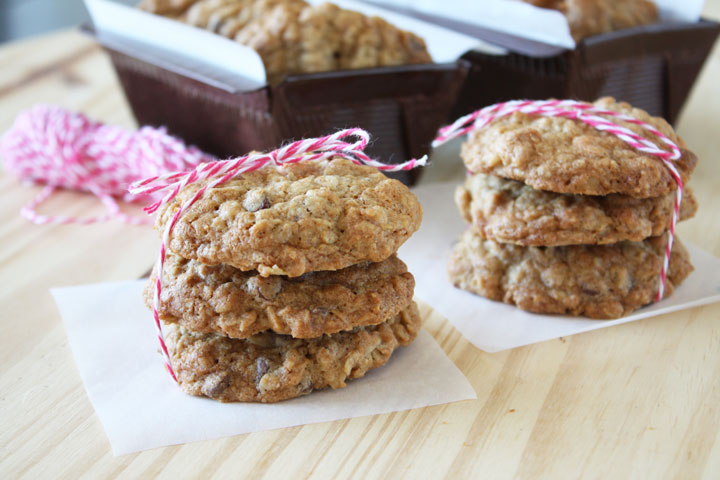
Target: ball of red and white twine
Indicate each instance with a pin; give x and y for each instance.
(62, 149)
(220, 172)
(595, 117)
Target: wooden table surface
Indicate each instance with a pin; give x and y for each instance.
(637, 400)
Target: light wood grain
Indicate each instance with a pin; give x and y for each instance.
(638, 400)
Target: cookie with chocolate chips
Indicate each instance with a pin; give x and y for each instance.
(597, 281)
(269, 368)
(222, 299)
(296, 218)
(509, 211)
(563, 155)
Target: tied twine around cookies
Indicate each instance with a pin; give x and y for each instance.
(219, 172)
(597, 118)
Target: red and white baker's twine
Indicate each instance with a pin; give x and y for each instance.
(222, 171)
(593, 116)
(62, 149)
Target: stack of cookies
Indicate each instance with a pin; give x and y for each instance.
(567, 219)
(284, 280)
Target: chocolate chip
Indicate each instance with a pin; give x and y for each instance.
(266, 287)
(261, 368)
(216, 385)
(302, 278)
(256, 200)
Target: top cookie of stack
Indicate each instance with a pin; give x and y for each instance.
(285, 280)
(296, 218)
(292, 36)
(600, 204)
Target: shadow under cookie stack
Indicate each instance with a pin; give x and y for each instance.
(567, 219)
(284, 280)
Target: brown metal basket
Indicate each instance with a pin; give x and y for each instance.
(402, 107)
(652, 67)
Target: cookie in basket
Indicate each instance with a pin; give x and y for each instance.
(592, 17)
(563, 155)
(294, 37)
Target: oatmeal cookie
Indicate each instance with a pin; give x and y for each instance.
(224, 300)
(599, 281)
(294, 38)
(566, 156)
(269, 368)
(228, 17)
(509, 211)
(170, 8)
(296, 218)
(592, 17)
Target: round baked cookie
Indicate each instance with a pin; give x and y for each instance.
(171, 8)
(592, 17)
(295, 37)
(599, 281)
(509, 211)
(268, 367)
(222, 299)
(567, 156)
(297, 218)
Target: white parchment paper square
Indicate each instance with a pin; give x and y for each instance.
(112, 336)
(494, 326)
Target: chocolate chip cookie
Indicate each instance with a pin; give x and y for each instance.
(509, 211)
(268, 367)
(222, 299)
(297, 218)
(598, 281)
(567, 156)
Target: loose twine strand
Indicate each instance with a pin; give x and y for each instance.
(595, 117)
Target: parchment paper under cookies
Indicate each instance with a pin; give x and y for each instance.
(112, 337)
(494, 326)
